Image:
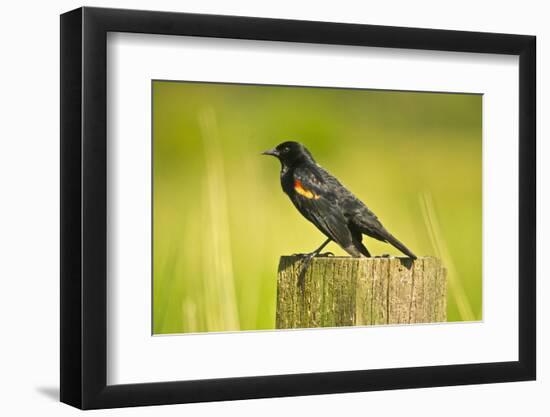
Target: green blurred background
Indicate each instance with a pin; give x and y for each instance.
(221, 220)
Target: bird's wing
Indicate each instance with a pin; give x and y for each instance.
(314, 196)
(362, 218)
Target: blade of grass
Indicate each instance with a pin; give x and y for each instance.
(442, 251)
(219, 285)
(189, 313)
(162, 306)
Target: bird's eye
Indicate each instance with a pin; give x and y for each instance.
(286, 149)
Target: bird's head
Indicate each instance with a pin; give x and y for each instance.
(290, 153)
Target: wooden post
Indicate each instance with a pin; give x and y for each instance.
(343, 291)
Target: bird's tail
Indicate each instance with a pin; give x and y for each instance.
(396, 243)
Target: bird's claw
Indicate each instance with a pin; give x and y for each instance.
(313, 255)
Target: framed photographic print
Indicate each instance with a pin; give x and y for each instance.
(258, 207)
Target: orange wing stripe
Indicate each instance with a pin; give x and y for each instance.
(303, 192)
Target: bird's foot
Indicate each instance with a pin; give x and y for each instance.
(312, 255)
(384, 255)
(306, 262)
(301, 255)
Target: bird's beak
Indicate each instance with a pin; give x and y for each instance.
(272, 152)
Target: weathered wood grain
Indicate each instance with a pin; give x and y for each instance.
(342, 291)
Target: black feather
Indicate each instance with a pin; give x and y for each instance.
(325, 202)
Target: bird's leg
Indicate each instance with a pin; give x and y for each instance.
(316, 252)
(307, 260)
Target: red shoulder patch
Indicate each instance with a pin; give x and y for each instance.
(303, 192)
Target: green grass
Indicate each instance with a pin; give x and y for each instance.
(221, 220)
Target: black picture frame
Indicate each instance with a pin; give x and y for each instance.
(84, 207)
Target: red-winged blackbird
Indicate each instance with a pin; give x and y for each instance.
(325, 202)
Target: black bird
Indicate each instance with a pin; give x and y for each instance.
(330, 206)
